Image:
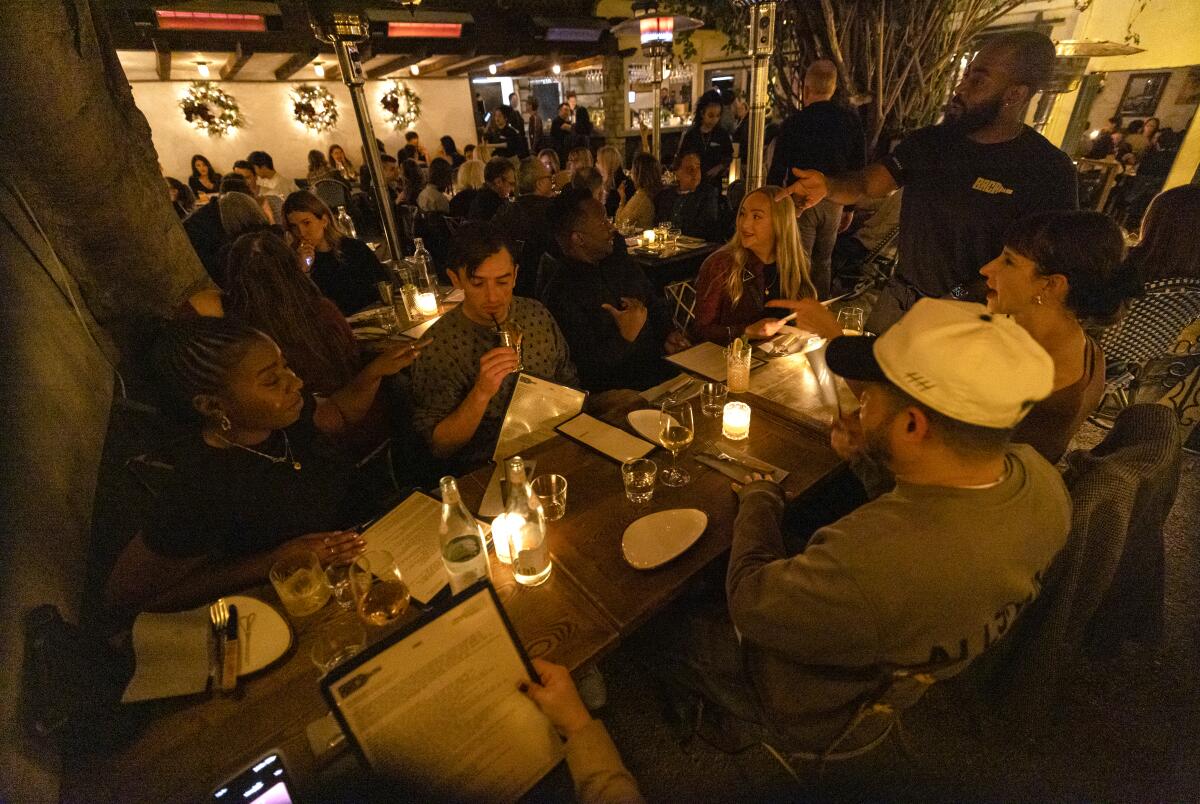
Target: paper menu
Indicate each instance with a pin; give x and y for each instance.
(172, 653)
(438, 709)
(708, 360)
(536, 408)
(602, 437)
(410, 533)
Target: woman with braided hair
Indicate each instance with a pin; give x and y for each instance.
(257, 480)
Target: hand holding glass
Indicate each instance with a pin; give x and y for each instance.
(675, 432)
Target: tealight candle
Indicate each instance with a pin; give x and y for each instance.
(427, 304)
(504, 527)
(735, 422)
(648, 236)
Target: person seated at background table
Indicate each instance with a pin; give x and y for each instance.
(578, 158)
(205, 180)
(272, 205)
(596, 767)
(765, 260)
(319, 168)
(207, 232)
(269, 182)
(526, 220)
(266, 288)
(506, 140)
(637, 211)
(342, 164)
(617, 184)
(1060, 271)
(435, 196)
(257, 480)
(343, 267)
(708, 138)
(469, 151)
(822, 649)
(467, 183)
(590, 180)
(617, 325)
(183, 200)
(499, 182)
(465, 378)
(413, 182)
(1166, 260)
(449, 152)
(413, 149)
(690, 204)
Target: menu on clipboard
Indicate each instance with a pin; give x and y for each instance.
(536, 408)
(435, 712)
(708, 360)
(604, 438)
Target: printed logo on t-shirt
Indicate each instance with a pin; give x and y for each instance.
(990, 186)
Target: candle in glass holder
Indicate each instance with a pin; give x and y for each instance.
(504, 527)
(427, 304)
(648, 237)
(735, 423)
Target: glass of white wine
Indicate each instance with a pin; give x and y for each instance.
(675, 432)
(380, 595)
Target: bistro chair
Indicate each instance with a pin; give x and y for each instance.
(334, 193)
(1106, 585)
(682, 296)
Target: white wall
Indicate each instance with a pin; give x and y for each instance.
(270, 127)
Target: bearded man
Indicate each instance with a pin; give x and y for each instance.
(965, 180)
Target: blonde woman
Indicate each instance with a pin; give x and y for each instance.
(637, 211)
(617, 185)
(764, 261)
(467, 182)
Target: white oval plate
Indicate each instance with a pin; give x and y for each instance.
(263, 634)
(645, 423)
(657, 538)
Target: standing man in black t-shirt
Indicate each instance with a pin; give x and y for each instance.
(965, 180)
(823, 136)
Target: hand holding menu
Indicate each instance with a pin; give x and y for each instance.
(435, 709)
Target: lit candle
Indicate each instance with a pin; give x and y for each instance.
(504, 527)
(427, 304)
(648, 236)
(735, 423)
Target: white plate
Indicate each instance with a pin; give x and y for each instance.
(656, 539)
(645, 423)
(263, 634)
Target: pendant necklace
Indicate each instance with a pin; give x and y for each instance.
(287, 456)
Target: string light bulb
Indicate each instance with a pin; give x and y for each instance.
(202, 68)
(319, 69)
(556, 69)
(492, 69)
(415, 69)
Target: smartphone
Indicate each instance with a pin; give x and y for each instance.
(265, 781)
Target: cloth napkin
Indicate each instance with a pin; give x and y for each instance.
(735, 472)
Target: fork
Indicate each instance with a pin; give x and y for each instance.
(218, 615)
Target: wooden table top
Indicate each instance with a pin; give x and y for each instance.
(591, 600)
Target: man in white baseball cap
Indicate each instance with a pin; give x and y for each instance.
(909, 587)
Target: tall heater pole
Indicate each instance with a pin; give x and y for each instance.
(344, 30)
(762, 45)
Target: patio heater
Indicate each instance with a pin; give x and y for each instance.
(344, 30)
(656, 32)
(760, 47)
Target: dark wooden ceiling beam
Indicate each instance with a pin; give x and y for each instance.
(395, 65)
(584, 64)
(295, 64)
(162, 60)
(434, 64)
(518, 63)
(472, 64)
(540, 65)
(236, 61)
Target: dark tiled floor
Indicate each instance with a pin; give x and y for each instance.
(1128, 729)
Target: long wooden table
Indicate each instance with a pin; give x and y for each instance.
(591, 600)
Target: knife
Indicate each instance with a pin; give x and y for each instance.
(230, 652)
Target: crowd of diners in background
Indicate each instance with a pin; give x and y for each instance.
(266, 367)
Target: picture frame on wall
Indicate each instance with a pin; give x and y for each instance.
(1142, 94)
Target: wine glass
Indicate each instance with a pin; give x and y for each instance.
(380, 595)
(675, 432)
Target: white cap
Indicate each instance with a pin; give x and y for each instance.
(957, 358)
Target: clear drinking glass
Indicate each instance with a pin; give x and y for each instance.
(338, 576)
(639, 476)
(551, 490)
(675, 432)
(737, 366)
(851, 320)
(380, 595)
(712, 398)
(336, 642)
(300, 583)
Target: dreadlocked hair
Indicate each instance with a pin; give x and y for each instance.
(266, 288)
(193, 356)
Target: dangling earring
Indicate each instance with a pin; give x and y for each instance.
(1037, 299)
(227, 425)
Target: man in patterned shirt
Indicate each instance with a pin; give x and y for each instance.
(463, 381)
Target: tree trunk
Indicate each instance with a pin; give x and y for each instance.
(78, 150)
